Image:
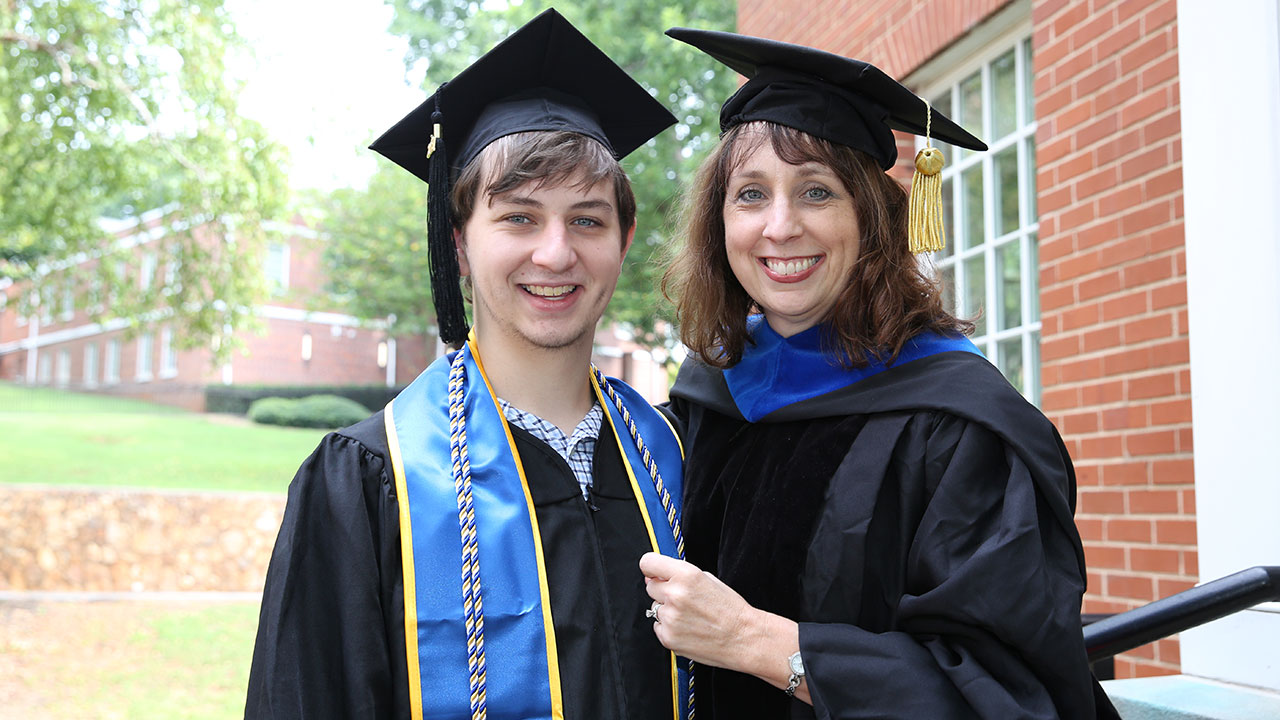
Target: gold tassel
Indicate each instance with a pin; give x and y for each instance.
(925, 232)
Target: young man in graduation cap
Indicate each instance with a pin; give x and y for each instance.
(472, 549)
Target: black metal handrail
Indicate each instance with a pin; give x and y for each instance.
(1181, 611)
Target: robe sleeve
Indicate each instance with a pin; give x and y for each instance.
(328, 644)
(987, 624)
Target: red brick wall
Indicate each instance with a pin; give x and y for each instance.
(347, 358)
(1113, 296)
(896, 36)
(1114, 350)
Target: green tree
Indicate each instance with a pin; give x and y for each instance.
(117, 106)
(448, 35)
(375, 244)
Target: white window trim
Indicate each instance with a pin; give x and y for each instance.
(168, 357)
(44, 369)
(67, 303)
(62, 368)
(111, 362)
(991, 41)
(145, 360)
(281, 283)
(89, 372)
(46, 305)
(147, 270)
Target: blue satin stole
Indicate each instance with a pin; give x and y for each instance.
(777, 371)
(523, 678)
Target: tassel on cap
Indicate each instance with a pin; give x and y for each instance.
(446, 293)
(925, 232)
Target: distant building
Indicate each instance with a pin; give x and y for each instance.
(57, 344)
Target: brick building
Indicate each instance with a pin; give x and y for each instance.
(1077, 239)
(59, 345)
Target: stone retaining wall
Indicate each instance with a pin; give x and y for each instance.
(56, 539)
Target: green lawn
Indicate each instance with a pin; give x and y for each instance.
(63, 438)
(128, 660)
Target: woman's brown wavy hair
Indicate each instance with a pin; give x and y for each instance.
(887, 299)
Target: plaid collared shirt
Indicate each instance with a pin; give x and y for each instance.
(578, 450)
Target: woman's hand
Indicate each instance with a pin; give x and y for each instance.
(701, 618)
(704, 620)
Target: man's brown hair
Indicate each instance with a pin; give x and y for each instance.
(543, 158)
(886, 300)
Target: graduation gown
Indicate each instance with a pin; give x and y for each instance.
(331, 636)
(916, 521)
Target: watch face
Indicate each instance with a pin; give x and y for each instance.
(797, 666)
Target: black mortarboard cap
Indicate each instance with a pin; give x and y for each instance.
(545, 76)
(839, 99)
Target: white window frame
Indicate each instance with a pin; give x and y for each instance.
(278, 276)
(23, 318)
(168, 357)
(111, 363)
(1027, 328)
(46, 305)
(172, 266)
(146, 349)
(62, 371)
(97, 295)
(44, 369)
(90, 370)
(68, 302)
(147, 271)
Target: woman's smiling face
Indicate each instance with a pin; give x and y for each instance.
(791, 234)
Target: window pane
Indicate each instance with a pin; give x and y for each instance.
(971, 196)
(1033, 277)
(948, 279)
(277, 266)
(1009, 360)
(1006, 190)
(1004, 96)
(942, 104)
(971, 104)
(1009, 292)
(975, 290)
(948, 220)
(1028, 84)
(1030, 154)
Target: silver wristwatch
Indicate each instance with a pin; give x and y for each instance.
(797, 674)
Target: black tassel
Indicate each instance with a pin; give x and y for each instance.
(446, 293)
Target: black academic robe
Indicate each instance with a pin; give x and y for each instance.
(918, 526)
(331, 639)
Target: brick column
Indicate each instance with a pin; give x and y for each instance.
(1115, 351)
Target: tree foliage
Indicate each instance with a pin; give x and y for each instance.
(121, 106)
(448, 35)
(376, 247)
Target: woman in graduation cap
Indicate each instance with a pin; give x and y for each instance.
(877, 524)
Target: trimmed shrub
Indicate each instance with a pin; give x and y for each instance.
(313, 411)
(236, 399)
